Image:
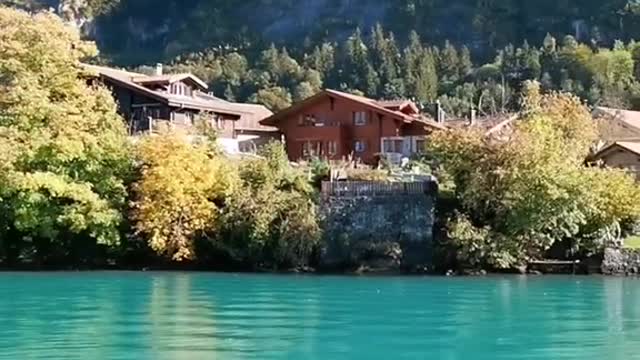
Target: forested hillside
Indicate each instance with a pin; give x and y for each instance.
(464, 52)
(158, 28)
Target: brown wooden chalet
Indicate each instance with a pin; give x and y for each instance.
(146, 101)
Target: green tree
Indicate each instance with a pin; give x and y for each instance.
(448, 63)
(386, 60)
(65, 155)
(275, 98)
(270, 220)
(466, 65)
(322, 59)
(360, 73)
(522, 196)
(420, 74)
(303, 90)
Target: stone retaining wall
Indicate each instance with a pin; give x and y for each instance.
(379, 227)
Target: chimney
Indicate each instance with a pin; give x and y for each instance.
(159, 69)
(472, 116)
(440, 114)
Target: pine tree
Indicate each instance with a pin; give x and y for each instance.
(321, 59)
(386, 61)
(466, 65)
(449, 63)
(303, 91)
(420, 74)
(360, 72)
(549, 44)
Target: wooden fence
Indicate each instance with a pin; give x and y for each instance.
(374, 188)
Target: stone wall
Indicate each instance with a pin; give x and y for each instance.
(378, 227)
(620, 261)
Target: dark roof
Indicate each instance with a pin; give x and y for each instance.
(247, 113)
(633, 147)
(489, 124)
(373, 104)
(250, 114)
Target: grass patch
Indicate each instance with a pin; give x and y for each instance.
(632, 242)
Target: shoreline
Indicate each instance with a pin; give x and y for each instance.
(378, 273)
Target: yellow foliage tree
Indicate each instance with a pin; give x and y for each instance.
(177, 197)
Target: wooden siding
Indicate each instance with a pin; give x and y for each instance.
(337, 117)
(623, 159)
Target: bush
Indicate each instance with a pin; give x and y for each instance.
(479, 247)
(532, 192)
(270, 219)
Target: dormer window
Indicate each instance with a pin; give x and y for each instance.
(180, 89)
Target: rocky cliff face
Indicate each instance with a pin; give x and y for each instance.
(80, 13)
(149, 30)
(165, 28)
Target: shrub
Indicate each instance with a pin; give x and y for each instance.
(532, 191)
(270, 219)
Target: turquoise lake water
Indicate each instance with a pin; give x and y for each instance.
(224, 316)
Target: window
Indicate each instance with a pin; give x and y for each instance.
(360, 118)
(307, 120)
(314, 148)
(154, 113)
(332, 148)
(421, 145)
(219, 122)
(398, 145)
(392, 145)
(359, 146)
(307, 149)
(180, 89)
(387, 146)
(189, 116)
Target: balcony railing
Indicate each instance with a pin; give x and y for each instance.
(373, 188)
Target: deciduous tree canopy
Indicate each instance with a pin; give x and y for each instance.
(521, 196)
(64, 149)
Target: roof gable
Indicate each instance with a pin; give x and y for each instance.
(170, 79)
(632, 147)
(403, 105)
(617, 124)
(361, 100)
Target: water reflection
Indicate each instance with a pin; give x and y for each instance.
(206, 316)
